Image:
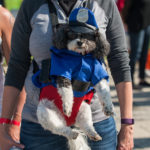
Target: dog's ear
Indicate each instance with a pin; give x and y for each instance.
(60, 37)
(102, 46)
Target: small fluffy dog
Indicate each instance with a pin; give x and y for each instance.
(84, 43)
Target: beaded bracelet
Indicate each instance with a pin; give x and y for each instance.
(9, 121)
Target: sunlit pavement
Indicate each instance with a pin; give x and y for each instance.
(141, 113)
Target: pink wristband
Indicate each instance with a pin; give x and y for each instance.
(127, 121)
(4, 120)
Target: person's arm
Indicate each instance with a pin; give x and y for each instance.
(17, 69)
(6, 26)
(10, 134)
(125, 137)
(118, 60)
(14, 130)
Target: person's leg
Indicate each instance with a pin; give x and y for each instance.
(108, 132)
(34, 137)
(136, 42)
(144, 53)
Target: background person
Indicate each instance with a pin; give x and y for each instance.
(13, 6)
(136, 15)
(120, 4)
(32, 23)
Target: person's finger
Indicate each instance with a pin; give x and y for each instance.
(120, 148)
(125, 146)
(131, 145)
(16, 144)
(11, 143)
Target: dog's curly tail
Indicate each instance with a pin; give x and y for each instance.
(80, 143)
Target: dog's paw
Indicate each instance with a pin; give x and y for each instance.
(109, 110)
(95, 138)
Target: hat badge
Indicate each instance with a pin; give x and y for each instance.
(82, 15)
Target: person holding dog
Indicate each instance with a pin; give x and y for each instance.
(32, 23)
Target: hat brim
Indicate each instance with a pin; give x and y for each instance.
(81, 27)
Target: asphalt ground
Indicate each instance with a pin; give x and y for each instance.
(141, 114)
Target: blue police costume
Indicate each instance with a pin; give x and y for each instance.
(73, 65)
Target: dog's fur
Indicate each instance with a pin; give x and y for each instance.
(48, 114)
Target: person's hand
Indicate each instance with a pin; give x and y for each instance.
(14, 132)
(125, 138)
(6, 141)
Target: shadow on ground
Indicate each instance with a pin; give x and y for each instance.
(142, 94)
(142, 143)
(137, 103)
(141, 98)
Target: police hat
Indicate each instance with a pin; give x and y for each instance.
(82, 20)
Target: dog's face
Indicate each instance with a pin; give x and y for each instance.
(82, 43)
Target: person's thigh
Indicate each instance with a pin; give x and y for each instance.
(34, 137)
(108, 132)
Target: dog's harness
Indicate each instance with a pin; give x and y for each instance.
(55, 97)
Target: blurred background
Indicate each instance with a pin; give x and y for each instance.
(11, 5)
(135, 16)
(141, 94)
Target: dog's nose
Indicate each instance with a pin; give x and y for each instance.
(79, 43)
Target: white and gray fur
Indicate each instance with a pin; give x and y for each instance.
(48, 114)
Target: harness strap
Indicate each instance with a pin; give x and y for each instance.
(88, 4)
(53, 15)
(44, 74)
(35, 66)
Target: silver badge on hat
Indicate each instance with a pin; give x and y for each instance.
(82, 15)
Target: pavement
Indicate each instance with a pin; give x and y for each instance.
(141, 114)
